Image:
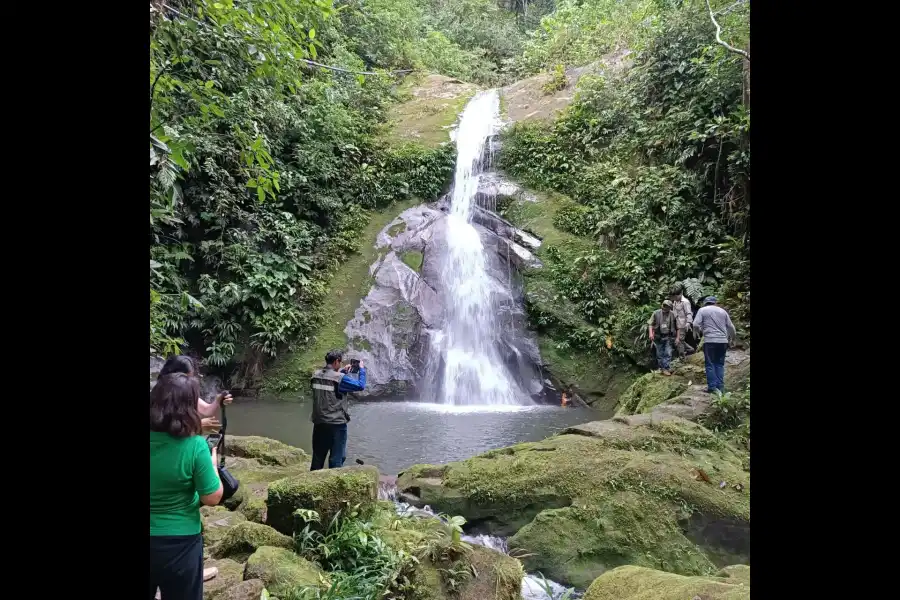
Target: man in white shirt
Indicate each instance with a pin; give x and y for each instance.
(718, 331)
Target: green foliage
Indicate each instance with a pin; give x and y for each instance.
(262, 174)
(729, 413)
(361, 564)
(578, 32)
(557, 80)
(659, 168)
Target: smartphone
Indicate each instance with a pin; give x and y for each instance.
(354, 365)
(213, 440)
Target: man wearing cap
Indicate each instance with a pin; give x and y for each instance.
(717, 330)
(663, 329)
(684, 319)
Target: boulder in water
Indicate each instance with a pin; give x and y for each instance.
(582, 502)
(283, 572)
(640, 583)
(326, 491)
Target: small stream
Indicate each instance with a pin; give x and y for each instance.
(534, 587)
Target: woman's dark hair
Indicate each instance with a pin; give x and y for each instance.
(178, 364)
(173, 405)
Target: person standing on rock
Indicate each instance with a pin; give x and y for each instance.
(183, 475)
(330, 410)
(714, 324)
(684, 319)
(663, 330)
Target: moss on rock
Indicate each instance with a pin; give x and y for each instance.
(496, 576)
(326, 491)
(649, 391)
(217, 521)
(266, 450)
(246, 590)
(283, 571)
(631, 493)
(230, 574)
(254, 508)
(640, 583)
(245, 538)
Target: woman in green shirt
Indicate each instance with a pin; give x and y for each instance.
(183, 475)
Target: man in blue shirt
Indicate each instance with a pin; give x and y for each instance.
(330, 410)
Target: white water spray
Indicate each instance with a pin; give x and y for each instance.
(474, 373)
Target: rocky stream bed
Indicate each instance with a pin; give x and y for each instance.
(636, 507)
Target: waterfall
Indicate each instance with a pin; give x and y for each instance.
(473, 370)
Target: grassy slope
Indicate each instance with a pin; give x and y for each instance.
(591, 375)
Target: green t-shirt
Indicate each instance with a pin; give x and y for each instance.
(180, 472)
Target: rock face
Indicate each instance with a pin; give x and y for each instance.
(326, 491)
(601, 496)
(282, 571)
(246, 590)
(639, 583)
(396, 323)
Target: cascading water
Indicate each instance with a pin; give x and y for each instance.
(473, 372)
(534, 587)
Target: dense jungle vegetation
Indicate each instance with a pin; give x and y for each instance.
(658, 166)
(264, 167)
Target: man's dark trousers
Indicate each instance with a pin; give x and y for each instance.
(327, 439)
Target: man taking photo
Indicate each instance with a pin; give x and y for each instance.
(330, 410)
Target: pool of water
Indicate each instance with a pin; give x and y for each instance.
(396, 435)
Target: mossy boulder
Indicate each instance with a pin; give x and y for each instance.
(640, 583)
(251, 589)
(649, 391)
(245, 538)
(265, 450)
(231, 573)
(496, 576)
(326, 491)
(254, 507)
(217, 521)
(283, 572)
(602, 496)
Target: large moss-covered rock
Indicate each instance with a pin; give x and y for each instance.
(326, 491)
(266, 450)
(217, 521)
(648, 391)
(639, 583)
(283, 571)
(603, 496)
(496, 576)
(231, 573)
(245, 538)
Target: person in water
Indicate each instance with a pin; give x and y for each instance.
(183, 475)
(207, 410)
(330, 410)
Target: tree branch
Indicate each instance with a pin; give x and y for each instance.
(719, 34)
